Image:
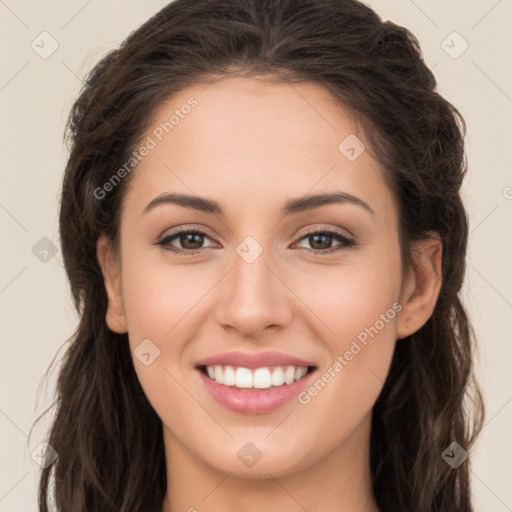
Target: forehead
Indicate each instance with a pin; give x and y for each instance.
(246, 139)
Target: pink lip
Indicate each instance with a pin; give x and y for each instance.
(252, 401)
(252, 361)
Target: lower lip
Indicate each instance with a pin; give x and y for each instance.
(253, 401)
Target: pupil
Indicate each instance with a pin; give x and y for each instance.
(322, 246)
(198, 240)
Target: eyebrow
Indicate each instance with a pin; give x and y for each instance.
(291, 206)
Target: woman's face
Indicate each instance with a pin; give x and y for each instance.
(253, 291)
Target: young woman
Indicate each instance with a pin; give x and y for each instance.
(263, 233)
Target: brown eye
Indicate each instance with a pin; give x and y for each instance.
(189, 240)
(321, 241)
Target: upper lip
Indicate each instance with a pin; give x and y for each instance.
(255, 360)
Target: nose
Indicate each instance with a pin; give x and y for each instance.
(254, 300)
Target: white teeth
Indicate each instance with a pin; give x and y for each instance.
(260, 378)
(300, 372)
(229, 376)
(243, 378)
(289, 375)
(278, 377)
(217, 372)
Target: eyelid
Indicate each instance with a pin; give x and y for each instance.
(320, 229)
(189, 228)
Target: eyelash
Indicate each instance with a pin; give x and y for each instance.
(346, 243)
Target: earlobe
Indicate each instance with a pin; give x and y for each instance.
(421, 288)
(110, 268)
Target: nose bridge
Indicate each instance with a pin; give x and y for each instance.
(251, 274)
(254, 298)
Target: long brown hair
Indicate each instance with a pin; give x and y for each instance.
(108, 437)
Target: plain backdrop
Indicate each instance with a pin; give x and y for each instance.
(36, 94)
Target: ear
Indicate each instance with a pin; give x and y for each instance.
(421, 286)
(111, 269)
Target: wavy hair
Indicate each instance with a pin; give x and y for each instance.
(108, 437)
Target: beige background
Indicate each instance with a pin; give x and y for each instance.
(35, 306)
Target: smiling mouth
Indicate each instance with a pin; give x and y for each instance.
(267, 377)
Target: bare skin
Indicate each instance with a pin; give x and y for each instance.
(251, 146)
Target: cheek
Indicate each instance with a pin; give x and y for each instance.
(360, 307)
(159, 302)
(352, 296)
(158, 296)
(163, 303)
